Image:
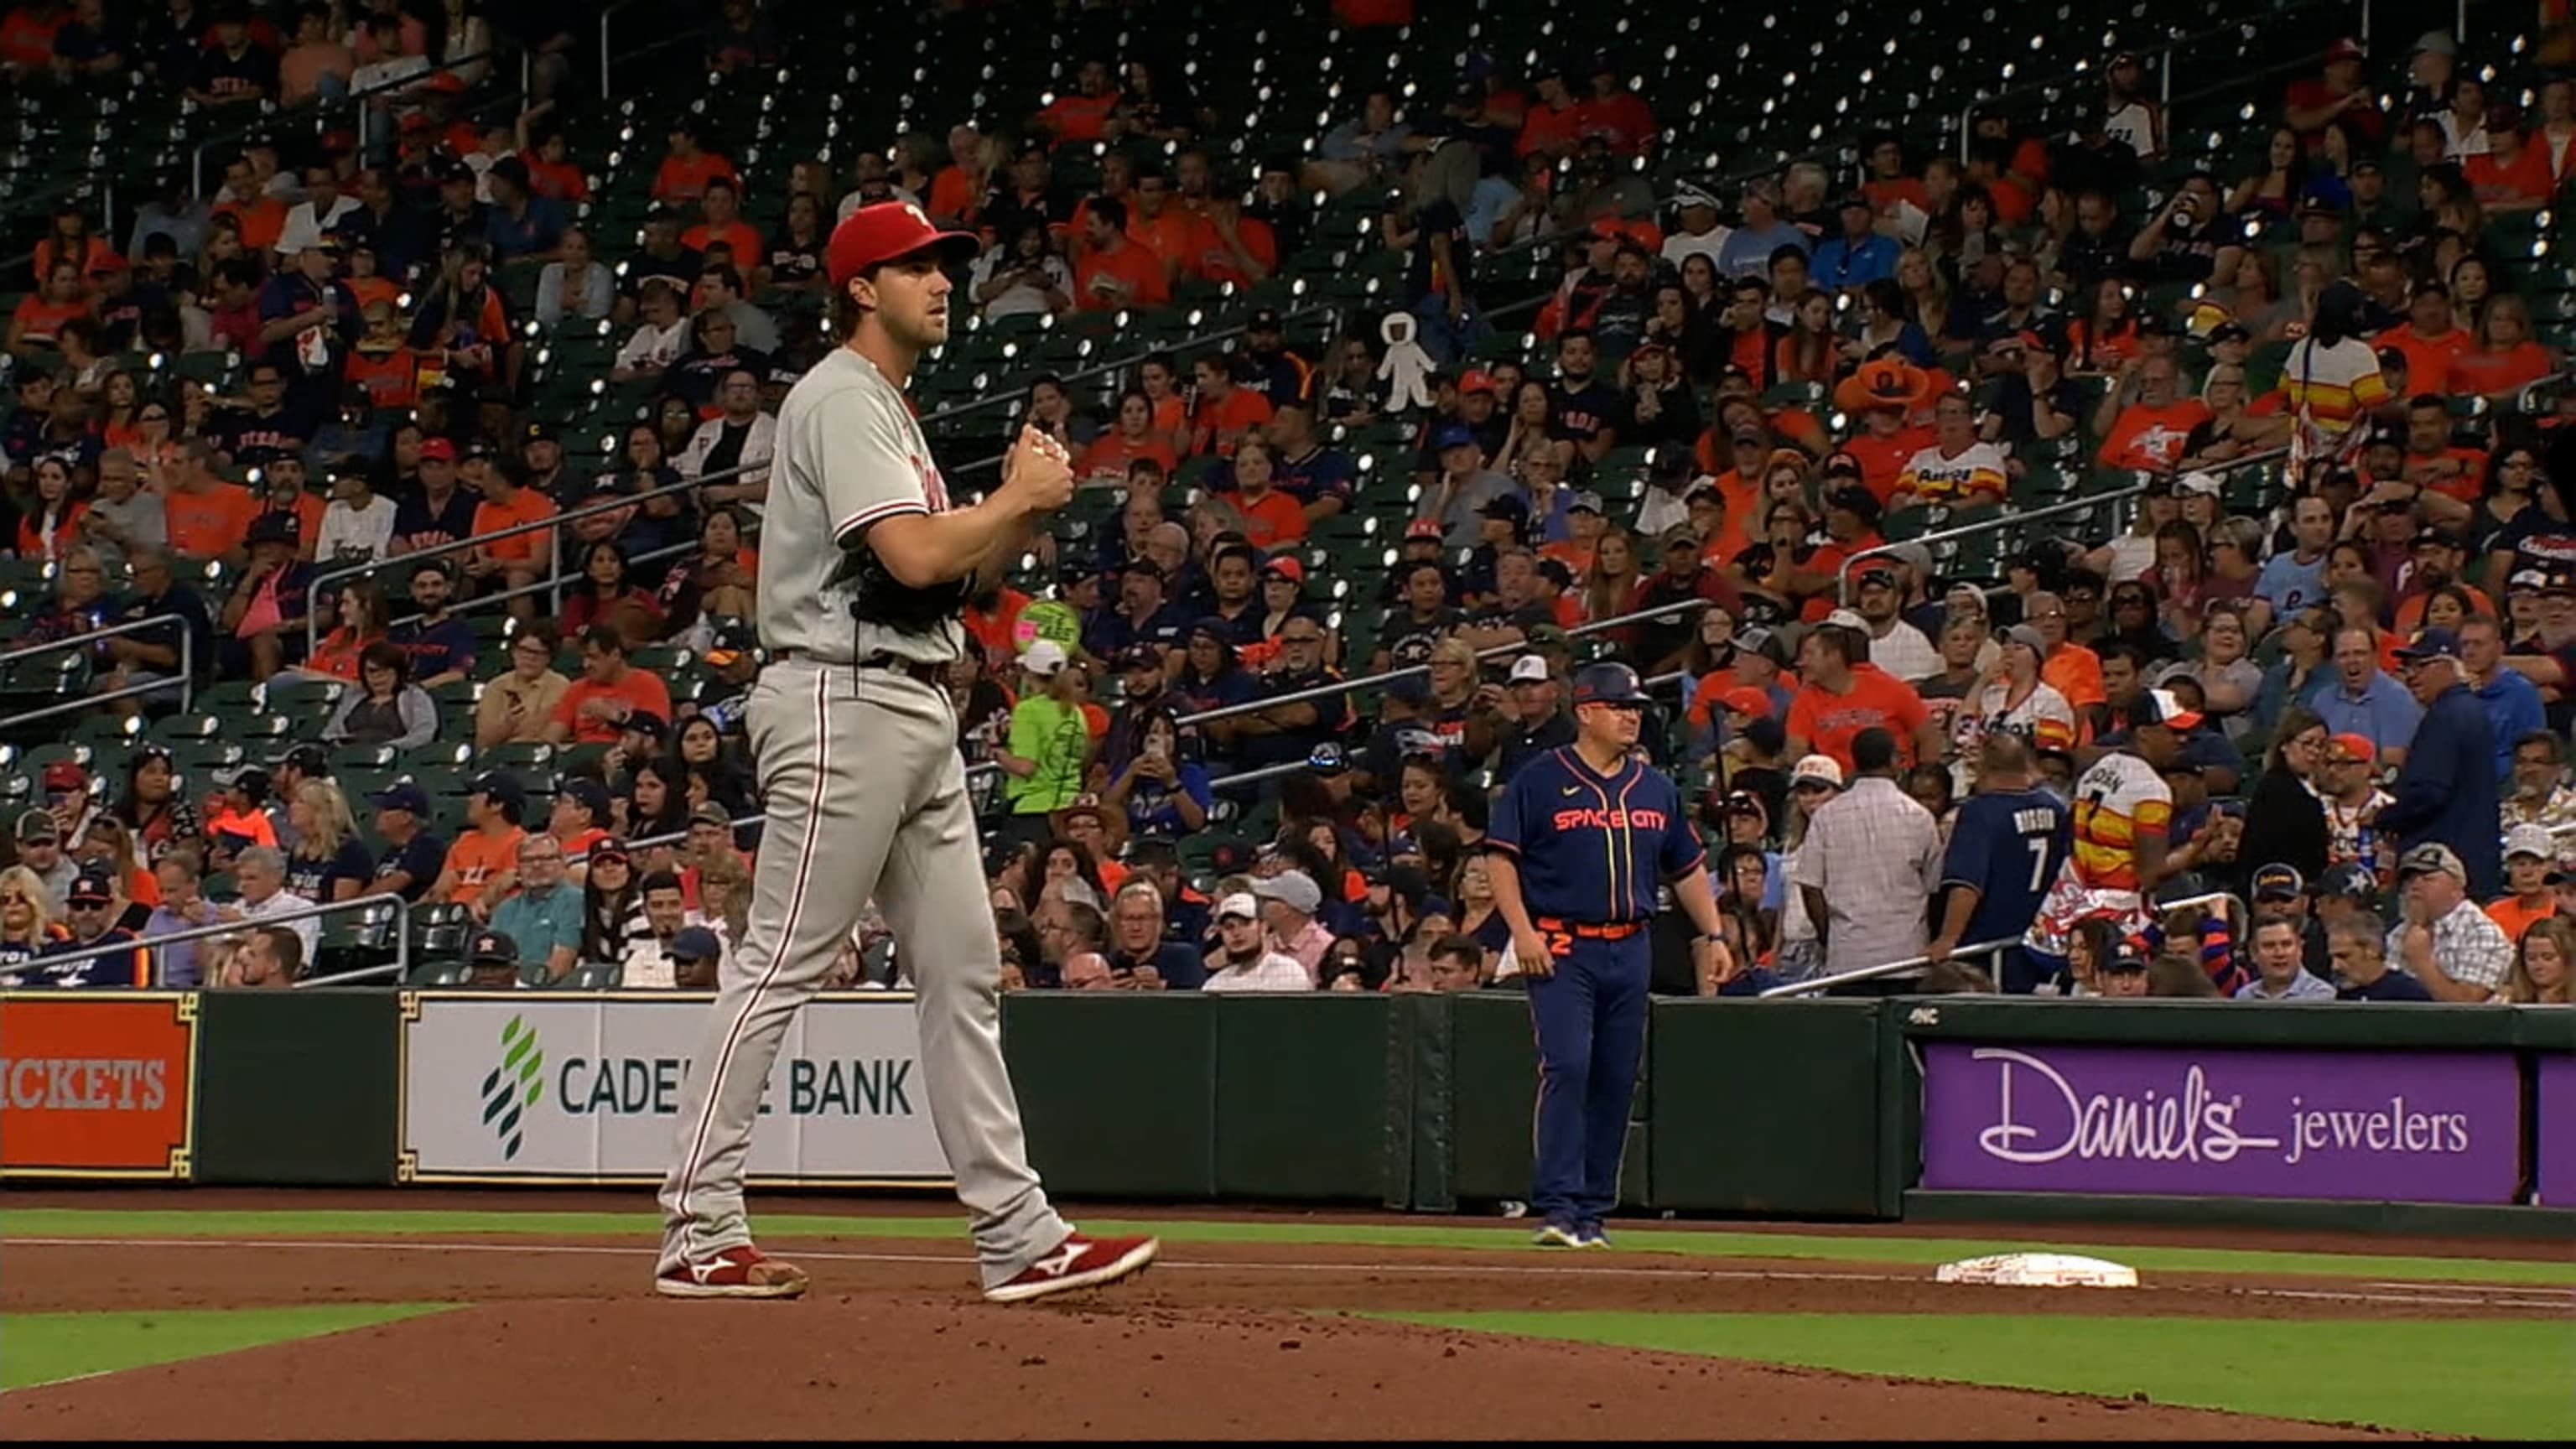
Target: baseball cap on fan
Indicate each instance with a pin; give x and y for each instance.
(876, 234)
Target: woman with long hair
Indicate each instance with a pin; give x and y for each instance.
(612, 906)
(1742, 875)
(2515, 501)
(329, 861)
(1926, 291)
(675, 422)
(2271, 189)
(359, 619)
(2104, 340)
(27, 926)
(724, 898)
(108, 843)
(120, 404)
(1615, 575)
(2178, 578)
(1677, 323)
(50, 525)
(1532, 426)
(2285, 823)
(2541, 962)
(1108, 457)
(1807, 354)
(1887, 320)
(1065, 860)
(468, 324)
(386, 708)
(1349, 391)
(154, 807)
(607, 593)
(2503, 359)
(796, 251)
(657, 807)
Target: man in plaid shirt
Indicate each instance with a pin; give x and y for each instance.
(2445, 941)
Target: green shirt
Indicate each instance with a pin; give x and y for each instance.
(1054, 736)
(537, 922)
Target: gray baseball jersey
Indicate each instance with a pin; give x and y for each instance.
(865, 794)
(849, 454)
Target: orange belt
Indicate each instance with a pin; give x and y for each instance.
(1590, 930)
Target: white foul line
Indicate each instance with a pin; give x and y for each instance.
(2459, 1294)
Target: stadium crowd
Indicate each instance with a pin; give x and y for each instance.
(2285, 720)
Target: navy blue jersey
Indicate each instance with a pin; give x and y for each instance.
(1592, 848)
(2007, 847)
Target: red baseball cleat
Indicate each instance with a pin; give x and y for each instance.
(742, 1271)
(1078, 1262)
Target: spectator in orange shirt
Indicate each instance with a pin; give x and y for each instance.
(1174, 236)
(2072, 669)
(1083, 113)
(2512, 174)
(1844, 694)
(482, 866)
(260, 215)
(2505, 359)
(2430, 337)
(684, 173)
(1224, 412)
(2434, 457)
(958, 190)
(37, 324)
(1115, 272)
(2530, 855)
(1270, 516)
(1553, 126)
(2148, 434)
(1884, 395)
(203, 516)
(1111, 454)
(721, 205)
(1614, 112)
(610, 689)
(514, 562)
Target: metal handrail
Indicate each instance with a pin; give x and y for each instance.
(186, 678)
(1916, 963)
(313, 622)
(402, 937)
(1016, 398)
(323, 111)
(2016, 517)
(1263, 773)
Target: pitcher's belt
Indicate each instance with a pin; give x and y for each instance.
(1589, 930)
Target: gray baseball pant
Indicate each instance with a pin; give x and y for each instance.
(865, 792)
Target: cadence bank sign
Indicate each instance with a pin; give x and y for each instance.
(538, 1086)
(2391, 1127)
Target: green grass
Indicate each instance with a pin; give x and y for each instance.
(45, 1348)
(1860, 1248)
(2505, 1379)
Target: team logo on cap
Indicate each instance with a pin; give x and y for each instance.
(916, 213)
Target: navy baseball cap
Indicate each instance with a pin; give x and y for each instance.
(2430, 644)
(1327, 759)
(695, 943)
(91, 888)
(591, 793)
(494, 947)
(2354, 881)
(1506, 505)
(1456, 435)
(2278, 882)
(501, 785)
(402, 795)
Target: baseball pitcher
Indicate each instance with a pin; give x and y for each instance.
(865, 568)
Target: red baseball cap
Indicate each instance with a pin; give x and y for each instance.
(1287, 567)
(885, 231)
(1423, 528)
(1475, 379)
(439, 448)
(65, 775)
(1745, 699)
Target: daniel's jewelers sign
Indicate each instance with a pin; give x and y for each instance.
(2372, 1126)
